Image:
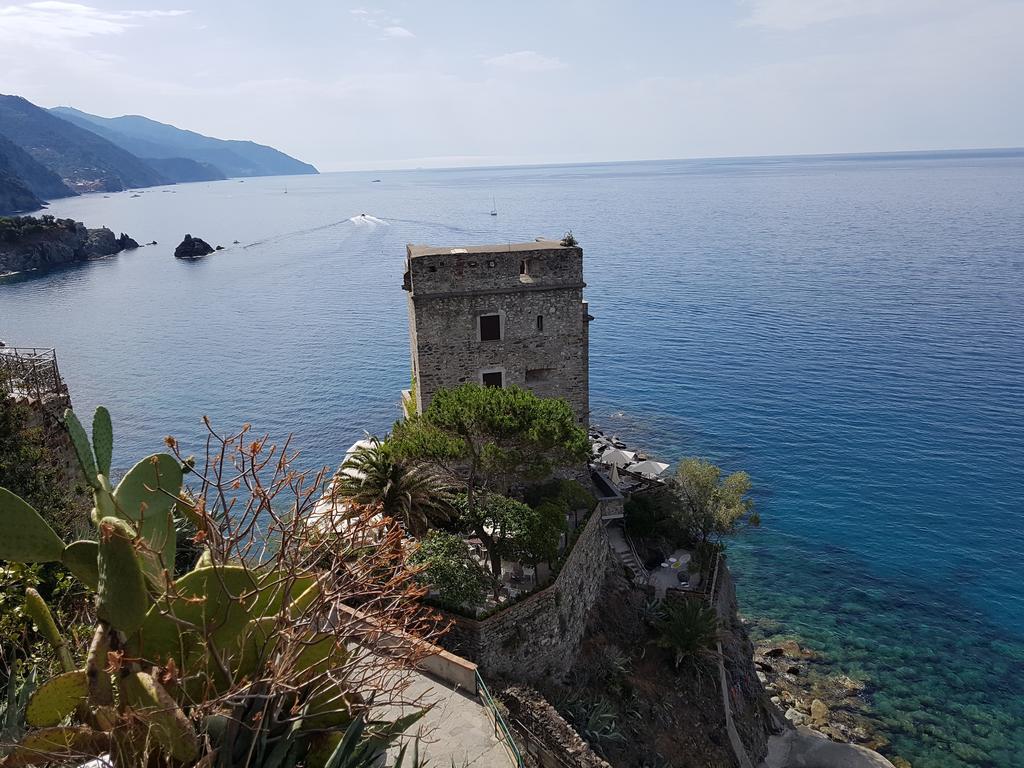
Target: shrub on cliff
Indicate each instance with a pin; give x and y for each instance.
(689, 630)
(711, 506)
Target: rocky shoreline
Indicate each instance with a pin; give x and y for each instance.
(28, 243)
(805, 687)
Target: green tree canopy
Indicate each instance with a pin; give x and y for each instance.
(493, 436)
(511, 529)
(711, 507)
(448, 568)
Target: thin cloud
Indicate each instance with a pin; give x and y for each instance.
(798, 14)
(53, 21)
(378, 19)
(398, 32)
(526, 61)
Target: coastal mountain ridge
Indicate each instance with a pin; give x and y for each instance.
(52, 153)
(86, 162)
(151, 139)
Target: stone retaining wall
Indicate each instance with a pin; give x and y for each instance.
(540, 636)
(544, 734)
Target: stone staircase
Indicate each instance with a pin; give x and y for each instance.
(617, 539)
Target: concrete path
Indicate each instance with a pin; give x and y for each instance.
(458, 731)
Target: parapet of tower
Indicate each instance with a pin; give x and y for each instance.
(499, 315)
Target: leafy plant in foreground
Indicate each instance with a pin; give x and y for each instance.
(252, 658)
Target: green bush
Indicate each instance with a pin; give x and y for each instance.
(689, 630)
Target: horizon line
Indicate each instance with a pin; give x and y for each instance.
(556, 164)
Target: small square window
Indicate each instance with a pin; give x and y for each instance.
(492, 379)
(490, 328)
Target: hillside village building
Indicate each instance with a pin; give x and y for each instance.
(499, 315)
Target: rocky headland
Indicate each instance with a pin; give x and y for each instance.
(29, 243)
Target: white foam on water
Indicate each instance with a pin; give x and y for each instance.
(365, 218)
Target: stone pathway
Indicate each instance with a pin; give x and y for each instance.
(457, 731)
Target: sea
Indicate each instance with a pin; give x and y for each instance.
(847, 329)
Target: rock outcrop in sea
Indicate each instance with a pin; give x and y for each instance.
(28, 243)
(192, 248)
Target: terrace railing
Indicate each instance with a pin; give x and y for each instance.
(501, 729)
(31, 372)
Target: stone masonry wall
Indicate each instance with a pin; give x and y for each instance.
(540, 636)
(444, 309)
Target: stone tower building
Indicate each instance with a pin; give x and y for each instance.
(499, 315)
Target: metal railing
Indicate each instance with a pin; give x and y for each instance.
(31, 372)
(645, 575)
(501, 729)
(538, 749)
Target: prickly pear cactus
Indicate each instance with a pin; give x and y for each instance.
(57, 698)
(27, 538)
(102, 440)
(169, 726)
(83, 450)
(82, 559)
(122, 599)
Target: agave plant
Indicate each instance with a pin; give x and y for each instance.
(689, 630)
(234, 663)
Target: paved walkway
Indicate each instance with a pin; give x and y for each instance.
(458, 731)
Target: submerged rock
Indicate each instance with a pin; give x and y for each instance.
(192, 248)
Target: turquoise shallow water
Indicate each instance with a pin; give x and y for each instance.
(850, 330)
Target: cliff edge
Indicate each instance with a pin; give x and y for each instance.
(28, 243)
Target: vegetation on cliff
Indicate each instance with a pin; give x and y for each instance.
(489, 441)
(29, 242)
(24, 182)
(85, 161)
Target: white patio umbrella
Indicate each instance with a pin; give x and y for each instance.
(617, 457)
(615, 475)
(649, 468)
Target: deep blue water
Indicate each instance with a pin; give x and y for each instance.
(849, 330)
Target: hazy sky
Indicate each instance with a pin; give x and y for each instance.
(475, 82)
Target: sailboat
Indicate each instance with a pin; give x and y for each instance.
(494, 207)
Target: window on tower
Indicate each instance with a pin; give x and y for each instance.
(490, 327)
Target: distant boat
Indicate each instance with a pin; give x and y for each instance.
(286, 190)
(375, 181)
(494, 207)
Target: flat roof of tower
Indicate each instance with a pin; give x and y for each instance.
(540, 244)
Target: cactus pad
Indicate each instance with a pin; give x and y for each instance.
(145, 496)
(82, 448)
(50, 745)
(56, 699)
(122, 597)
(82, 559)
(27, 538)
(168, 724)
(102, 439)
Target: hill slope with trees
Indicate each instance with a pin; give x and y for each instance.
(86, 162)
(151, 139)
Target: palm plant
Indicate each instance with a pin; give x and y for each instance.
(688, 629)
(409, 492)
